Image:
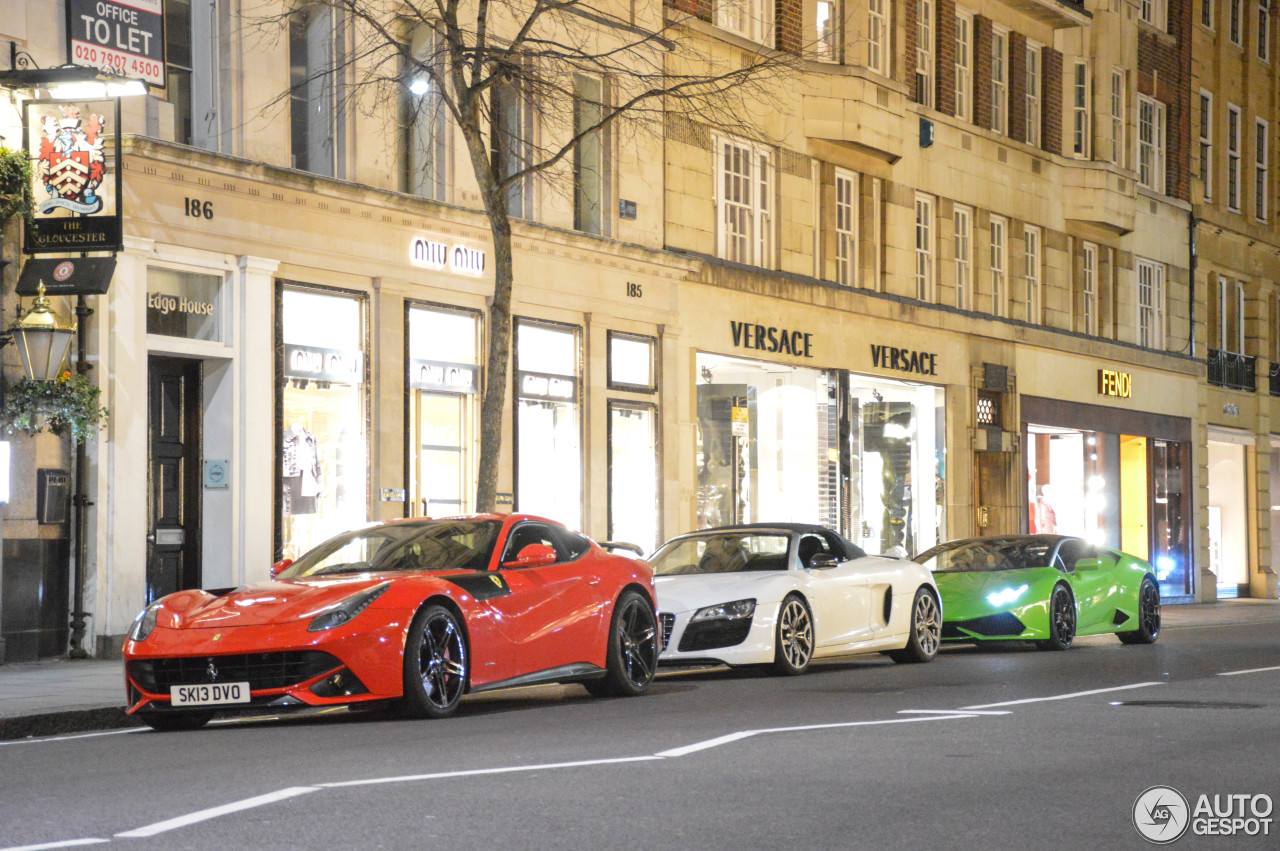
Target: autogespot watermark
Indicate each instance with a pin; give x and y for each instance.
(1163, 815)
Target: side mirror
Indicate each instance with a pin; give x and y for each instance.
(534, 555)
(1088, 564)
(823, 561)
(279, 567)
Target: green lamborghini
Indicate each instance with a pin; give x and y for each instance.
(1048, 588)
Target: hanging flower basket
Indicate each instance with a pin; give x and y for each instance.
(65, 406)
(15, 185)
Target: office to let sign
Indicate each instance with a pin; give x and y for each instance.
(124, 37)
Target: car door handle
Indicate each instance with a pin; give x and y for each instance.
(595, 581)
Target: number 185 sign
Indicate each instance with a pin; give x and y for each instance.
(122, 37)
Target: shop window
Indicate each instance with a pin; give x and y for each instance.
(424, 117)
(314, 36)
(444, 383)
(632, 363)
(548, 422)
(1169, 512)
(633, 474)
(323, 450)
(184, 304)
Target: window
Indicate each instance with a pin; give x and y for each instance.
(1081, 108)
(1264, 30)
(313, 40)
(744, 195)
(1154, 12)
(1233, 158)
(1118, 89)
(1150, 304)
(846, 227)
(178, 62)
(924, 248)
(827, 19)
(752, 19)
(1274, 330)
(1234, 22)
(1260, 169)
(1032, 240)
(964, 65)
(963, 221)
(1226, 316)
(424, 117)
(1151, 144)
(999, 253)
(509, 125)
(1206, 13)
(590, 157)
(1089, 289)
(1206, 143)
(1033, 94)
(548, 440)
(633, 474)
(878, 36)
(924, 52)
(999, 81)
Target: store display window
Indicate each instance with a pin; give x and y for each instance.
(631, 362)
(323, 450)
(444, 382)
(184, 304)
(633, 474)
(548, 422)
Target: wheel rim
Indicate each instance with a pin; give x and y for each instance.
(795, 633)
(1064, 617)
(442, 661)
(1149, 609)
(638, 634)
(927, 626)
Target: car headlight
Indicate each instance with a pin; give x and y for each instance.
(1005, 596)
(343, 612)
(144, 622)
(737, 610)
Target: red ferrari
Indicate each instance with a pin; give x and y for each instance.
(420, 611)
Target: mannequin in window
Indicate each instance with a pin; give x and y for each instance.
(300, 470)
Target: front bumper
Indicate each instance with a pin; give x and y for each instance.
(748, 641)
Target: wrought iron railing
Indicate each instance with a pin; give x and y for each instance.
(1228, 369)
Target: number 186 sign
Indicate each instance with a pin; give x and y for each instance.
(122, 37)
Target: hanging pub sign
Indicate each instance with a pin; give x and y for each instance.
(75, 174)
(121, 38)
(317, 364)
(441, 376)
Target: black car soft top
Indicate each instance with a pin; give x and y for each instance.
(851, 550)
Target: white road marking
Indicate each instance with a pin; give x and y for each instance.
(1250, 671)
(66, 843)
(733, 737)
(954, 712)
(1061, 696)
(69, 738)
(225, 809)
(479, 771)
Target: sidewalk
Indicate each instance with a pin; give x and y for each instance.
(65, 696)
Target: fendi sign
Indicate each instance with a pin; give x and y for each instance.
(1114, 383)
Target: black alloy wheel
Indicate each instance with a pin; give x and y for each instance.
(174, 722)
(435, 664)
(632, 657)
(1062, 620)
(793, 642)
(925, 630)
(1148, 615)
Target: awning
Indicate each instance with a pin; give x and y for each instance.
(67, 276)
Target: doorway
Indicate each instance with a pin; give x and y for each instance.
(174, 387)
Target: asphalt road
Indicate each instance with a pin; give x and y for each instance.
(989, 748)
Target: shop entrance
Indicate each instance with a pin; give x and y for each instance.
(174, 388)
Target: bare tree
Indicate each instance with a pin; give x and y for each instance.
(493, 64)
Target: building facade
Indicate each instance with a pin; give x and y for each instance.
(952, 279)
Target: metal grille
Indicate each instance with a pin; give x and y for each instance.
(668, 623)
(993, 625)
(988, 409)
(260, 670)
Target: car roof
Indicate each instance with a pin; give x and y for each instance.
(852, 550)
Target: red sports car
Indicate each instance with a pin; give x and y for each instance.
(422, 611)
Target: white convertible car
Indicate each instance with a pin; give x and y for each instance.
(784, 594)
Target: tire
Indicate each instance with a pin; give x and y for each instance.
(926, 630)
(1148, 615)
(793, 638)
(632, 656)
(174, 722)
(436, 664)
(1062, 620)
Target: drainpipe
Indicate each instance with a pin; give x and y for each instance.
(1191, 295)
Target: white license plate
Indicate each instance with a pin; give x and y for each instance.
(209, 695)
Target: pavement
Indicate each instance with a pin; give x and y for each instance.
(61, 696)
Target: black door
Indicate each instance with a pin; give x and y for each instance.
(173, 482)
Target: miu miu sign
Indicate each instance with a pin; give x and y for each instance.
(440, 256)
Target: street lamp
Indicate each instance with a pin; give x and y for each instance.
(43, 339)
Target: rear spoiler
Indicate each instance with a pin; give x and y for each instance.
(611, 546)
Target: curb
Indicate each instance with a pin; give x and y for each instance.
(71, 721)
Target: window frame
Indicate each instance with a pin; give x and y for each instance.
(1119, 97)
(964, 64)
(1234, 189)
(926, 248)
(879, 27)
(1204, 143)
(1000, 82)
(754, 23)
(1261, 169)
(1082, 109)
(1089, 301)
(1152, 152)
(1207, 14)
(845, 220)
(1150, 303)
(1033, 94)
(999, 259)
(1263, 31)
(762, 181)
(583, 220)
(962, 224)
(926, 29)
(1033, 245)
(1235, 22)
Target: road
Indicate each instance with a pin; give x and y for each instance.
(992, 748)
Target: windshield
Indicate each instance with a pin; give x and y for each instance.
(989, 554)
(444, 545)
(722, 553)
